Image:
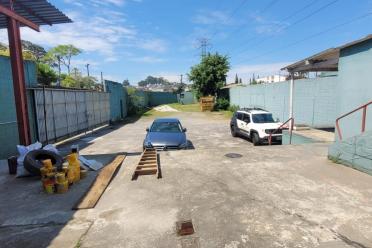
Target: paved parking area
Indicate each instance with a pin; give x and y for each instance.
(278, 196)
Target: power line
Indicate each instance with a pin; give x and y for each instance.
(299, 11)
(310, 36)
(242, 3)
(266, 8)
(292, 24)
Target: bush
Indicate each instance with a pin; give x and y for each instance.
(222, 104)
(134, 102)
(234, 108)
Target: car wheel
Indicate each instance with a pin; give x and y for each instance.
(233, 131)
(255, 139)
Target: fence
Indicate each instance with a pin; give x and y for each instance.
(62, 113)
(314, 100)
(118, 100)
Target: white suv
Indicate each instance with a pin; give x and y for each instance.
(256, 124)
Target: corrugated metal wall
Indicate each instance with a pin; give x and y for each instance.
(69, 112)
(8, 118)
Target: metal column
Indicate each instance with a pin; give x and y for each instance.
(291, 92)
(16, 59)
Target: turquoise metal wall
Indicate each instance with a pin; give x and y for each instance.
(314, 100)
(142, 98)
(160, 98)
(354, 87)
(118, 100)
(8, 118)
(187, 98)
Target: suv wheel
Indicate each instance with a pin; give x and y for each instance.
(255, 139)
(233, 131)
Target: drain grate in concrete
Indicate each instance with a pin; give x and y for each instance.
(184, 227)
(233, 155)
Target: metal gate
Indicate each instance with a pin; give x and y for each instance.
(69, 112)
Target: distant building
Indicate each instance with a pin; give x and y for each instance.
(271, 79)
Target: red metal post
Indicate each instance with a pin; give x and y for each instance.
(16, 59)
(364, 119)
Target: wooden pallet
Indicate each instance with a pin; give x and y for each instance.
(148, 164)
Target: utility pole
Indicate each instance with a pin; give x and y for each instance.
(101, 78)
(59, 70)
(181, 78)
(87, 65)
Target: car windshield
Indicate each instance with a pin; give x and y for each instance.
(166, 127)
(263, 118)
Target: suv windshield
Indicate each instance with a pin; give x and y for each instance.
(166, 127)
(263, 118)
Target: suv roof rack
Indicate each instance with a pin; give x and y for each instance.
(250, 109)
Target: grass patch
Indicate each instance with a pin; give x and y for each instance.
(186, 107)
(227, 113)
(153, 113)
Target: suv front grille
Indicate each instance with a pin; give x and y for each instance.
(269, 131)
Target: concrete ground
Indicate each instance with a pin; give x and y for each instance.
(277, 196)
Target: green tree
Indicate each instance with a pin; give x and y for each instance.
(37, 51)
(69, 82)
(150, 80)
(210, 75)
(45, 74)
(180, 88)
(126, 83)
(236, 79)
(63, 54)
(240, 81)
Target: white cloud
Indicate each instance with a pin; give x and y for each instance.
(148, 59)
(211, 17)
(268, 27)
(154, 45)
(246, 71)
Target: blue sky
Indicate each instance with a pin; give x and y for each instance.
(135, 38)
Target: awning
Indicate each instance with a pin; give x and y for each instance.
(324, 61)
(40, 12)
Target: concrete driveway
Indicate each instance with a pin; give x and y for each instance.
(278, 196)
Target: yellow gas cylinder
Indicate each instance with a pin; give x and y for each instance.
(43, 172)
(60, 177)
(47, 163)
(74, 164)
(62, 187)
(48, 186)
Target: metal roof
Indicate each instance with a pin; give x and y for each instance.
(326, 60)
(40, 12)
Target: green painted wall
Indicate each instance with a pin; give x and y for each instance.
(118, 100)
(354, 87)
(160, 98)
(314, 100)
(8, 118)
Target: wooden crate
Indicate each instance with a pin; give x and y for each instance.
(207, 103)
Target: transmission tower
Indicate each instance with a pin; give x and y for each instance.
(204, 44)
